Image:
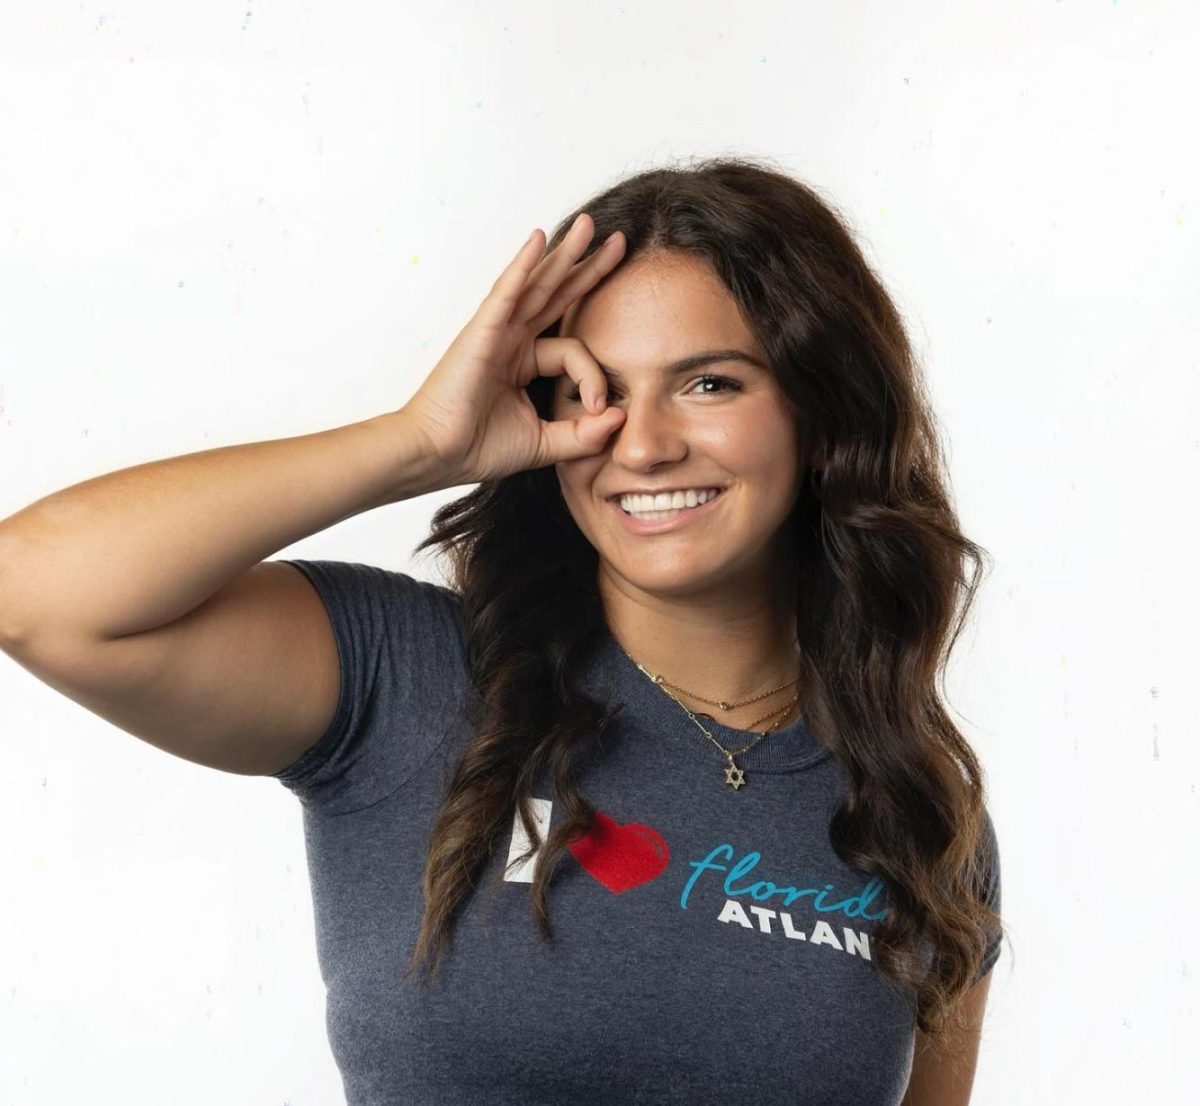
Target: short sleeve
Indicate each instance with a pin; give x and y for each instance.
(402, 657)
(990, 893)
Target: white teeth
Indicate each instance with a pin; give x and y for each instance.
(655, 505)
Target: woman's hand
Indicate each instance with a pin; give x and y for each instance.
(473, 409)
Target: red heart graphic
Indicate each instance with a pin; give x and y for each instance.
(621, 857)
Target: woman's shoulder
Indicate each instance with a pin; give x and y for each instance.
(372, 603)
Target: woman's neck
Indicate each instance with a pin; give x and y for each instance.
(758, 683)
(715, 648)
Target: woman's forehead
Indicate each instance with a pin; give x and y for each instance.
(658, 312)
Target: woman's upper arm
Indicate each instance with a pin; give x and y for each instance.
(945, 1078)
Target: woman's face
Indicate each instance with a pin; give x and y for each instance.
(681, 432)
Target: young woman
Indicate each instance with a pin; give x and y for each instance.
(678, 709)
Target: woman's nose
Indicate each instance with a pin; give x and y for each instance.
(650, 434)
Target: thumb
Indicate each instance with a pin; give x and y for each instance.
(571, 439)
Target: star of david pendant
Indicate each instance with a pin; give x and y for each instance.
(734, 776)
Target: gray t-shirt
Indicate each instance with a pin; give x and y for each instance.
(709, 945)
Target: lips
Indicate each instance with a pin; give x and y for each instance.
(679, 519)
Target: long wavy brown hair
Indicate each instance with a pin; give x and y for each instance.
(882, 586)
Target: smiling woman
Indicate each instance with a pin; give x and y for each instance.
(741, 345)
(686, 672)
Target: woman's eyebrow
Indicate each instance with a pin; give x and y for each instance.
(695, 361)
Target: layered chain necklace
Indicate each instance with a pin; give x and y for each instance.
(735, 777)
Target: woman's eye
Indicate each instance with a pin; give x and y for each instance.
(725, 384)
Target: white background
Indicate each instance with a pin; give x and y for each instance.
(223, 223)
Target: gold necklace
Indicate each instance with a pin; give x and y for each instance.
(735, 777)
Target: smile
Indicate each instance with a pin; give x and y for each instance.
(660, 521)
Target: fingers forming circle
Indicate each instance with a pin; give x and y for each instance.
(570, 357)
